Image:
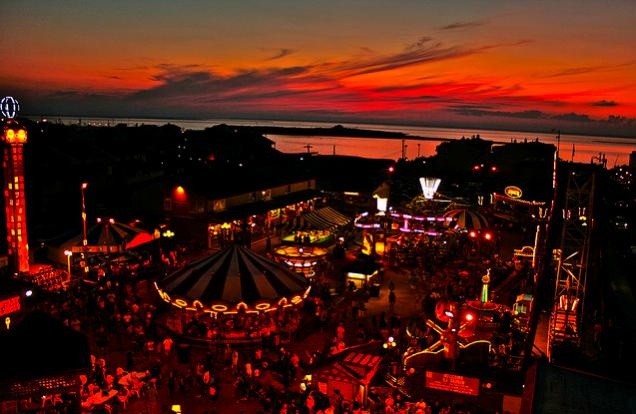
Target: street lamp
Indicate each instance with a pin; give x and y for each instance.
(68, 254)
(84, 241)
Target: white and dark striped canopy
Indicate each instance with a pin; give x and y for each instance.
(231, 276)
(326, 218)
(467, 219)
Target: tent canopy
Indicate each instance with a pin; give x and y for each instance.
(232, 278)
(321, 219)
(467, 219)
(106, 236)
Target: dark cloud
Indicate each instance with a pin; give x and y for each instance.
(419, 43)
(470, 110)
(178, 84)
(422, 51)
(461, 25)
(582, 70)
(281, 54)
(410, 57)
(471, 107)
(398, 88)
(620, 120)
(604, 103)
(573, 117)
(573, 71)
(530, 114)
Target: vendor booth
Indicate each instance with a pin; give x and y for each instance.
(301, 259)
(350, 372)
(364, 272)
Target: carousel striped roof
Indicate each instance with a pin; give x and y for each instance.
(467, 219)
(231, 276)
(111, 233)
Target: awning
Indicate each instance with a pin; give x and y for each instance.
(262, 207)
(466, 219)
(326, 218)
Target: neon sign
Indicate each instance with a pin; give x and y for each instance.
(513, 191)
(9, 107)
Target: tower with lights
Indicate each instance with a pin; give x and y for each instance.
(14, 137)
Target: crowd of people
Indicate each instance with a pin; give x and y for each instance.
(117, 314)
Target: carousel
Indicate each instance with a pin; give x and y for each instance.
(234, 296)
(233, 280)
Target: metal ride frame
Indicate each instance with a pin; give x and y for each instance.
(572, 260)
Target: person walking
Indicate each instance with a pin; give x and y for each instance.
(391, 301)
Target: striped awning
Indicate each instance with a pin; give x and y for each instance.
(466, 219)
(230, 277)
(110, 235)
(326, 218)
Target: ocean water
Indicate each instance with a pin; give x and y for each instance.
(579, 148)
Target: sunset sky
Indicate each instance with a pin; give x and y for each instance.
(568, 65)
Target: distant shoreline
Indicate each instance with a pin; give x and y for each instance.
(231, 121)
(336, 131)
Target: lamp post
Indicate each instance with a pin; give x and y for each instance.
(84, 240)
(68, 254)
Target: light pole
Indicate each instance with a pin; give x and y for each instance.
(68, 254)
(84, 241)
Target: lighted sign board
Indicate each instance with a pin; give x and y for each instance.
(452, 383)
(513, 191)
(9, 305)
(96, 249)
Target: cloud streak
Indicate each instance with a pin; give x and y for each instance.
(584, 70)
(281, 54)
(462, 25)
(604, 103)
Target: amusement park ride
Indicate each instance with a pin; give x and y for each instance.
(572, 262)
(14, 135)
(480, 331)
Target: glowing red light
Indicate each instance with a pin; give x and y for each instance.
(391, 169)
(476, 167)
(488, 236)
(472, 234)
(469, 317)
(493, 168)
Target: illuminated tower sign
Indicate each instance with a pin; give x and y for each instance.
(429, 186)
(14, 136)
